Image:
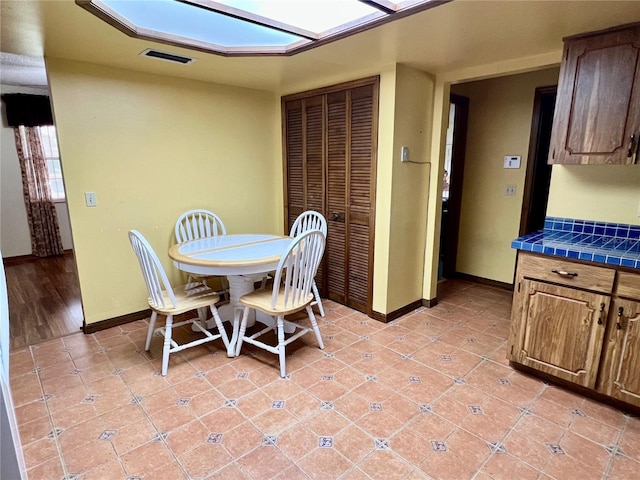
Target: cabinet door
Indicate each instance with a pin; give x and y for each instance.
(560, 331)
(620, 366)
(597, 115)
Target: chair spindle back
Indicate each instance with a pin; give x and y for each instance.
(309, 220)
(153, 272)
(297, 268)
(198, 223)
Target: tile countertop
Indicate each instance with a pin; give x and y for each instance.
(609, 243)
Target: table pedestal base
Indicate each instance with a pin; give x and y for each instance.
(240, 285)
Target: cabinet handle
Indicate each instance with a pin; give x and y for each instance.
(600, 322)
(618, 324)
(562, 273)
(632, 140)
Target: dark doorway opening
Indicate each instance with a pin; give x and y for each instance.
(538, 175)
(452, 186)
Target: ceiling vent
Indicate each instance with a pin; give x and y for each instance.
(168, 57)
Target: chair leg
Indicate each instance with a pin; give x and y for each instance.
(152, 326)
(281, 346)
(314, 324)
(218, 320)
(167, 344)
(318, 299)
(242, 329)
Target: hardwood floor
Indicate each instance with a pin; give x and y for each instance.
(44, 299)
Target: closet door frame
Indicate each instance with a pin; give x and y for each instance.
(323, 92)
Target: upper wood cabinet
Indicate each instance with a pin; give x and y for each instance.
(597, 115)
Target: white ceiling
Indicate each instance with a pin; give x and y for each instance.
(459, 35)
(22, 70)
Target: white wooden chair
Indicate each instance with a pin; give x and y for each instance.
(200, 223)
(290, 293)
(165, 300)
(311, 220)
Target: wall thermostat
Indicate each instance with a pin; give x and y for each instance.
(512, 161)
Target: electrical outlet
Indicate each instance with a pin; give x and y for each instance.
(90, 199)
(510, 190)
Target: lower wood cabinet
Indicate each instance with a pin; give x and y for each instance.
(573, 322)
(620, 367)
(559, 331)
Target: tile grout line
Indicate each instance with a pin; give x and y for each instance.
(144, 412)
(106, 353)
(511, 429)
(65, 472)
(607, 469)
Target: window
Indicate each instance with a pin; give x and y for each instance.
(250, 27)
(50, 146)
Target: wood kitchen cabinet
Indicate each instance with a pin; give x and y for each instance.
(620, 368)
(578, 322)
(597, 114)
(557, 323)
(560, 333)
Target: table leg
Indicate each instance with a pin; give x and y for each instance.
(240, 285)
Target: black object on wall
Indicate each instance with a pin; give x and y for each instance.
(27, 110)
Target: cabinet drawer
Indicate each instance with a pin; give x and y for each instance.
(565, 272)
(628, 285)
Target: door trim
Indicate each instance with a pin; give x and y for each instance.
(455, 187)
(532, 154)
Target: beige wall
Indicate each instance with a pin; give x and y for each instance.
(384, 169)
(410, 186)
(500, 112)
(152, 147)
(127, 136)
(405, 112)
(609, 193)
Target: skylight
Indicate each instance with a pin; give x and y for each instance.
(249, 27)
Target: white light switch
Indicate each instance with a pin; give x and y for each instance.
(404, 154)
(90, 199)
(512, 161)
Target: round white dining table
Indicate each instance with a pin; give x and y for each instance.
(244, 259)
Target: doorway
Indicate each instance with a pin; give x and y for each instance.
(538, 174)
(452, 184)
(43, 292)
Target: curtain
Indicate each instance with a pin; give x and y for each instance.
(41, 212)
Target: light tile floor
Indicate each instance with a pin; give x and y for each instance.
(429, 396)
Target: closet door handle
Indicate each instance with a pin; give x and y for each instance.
(337, 217)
